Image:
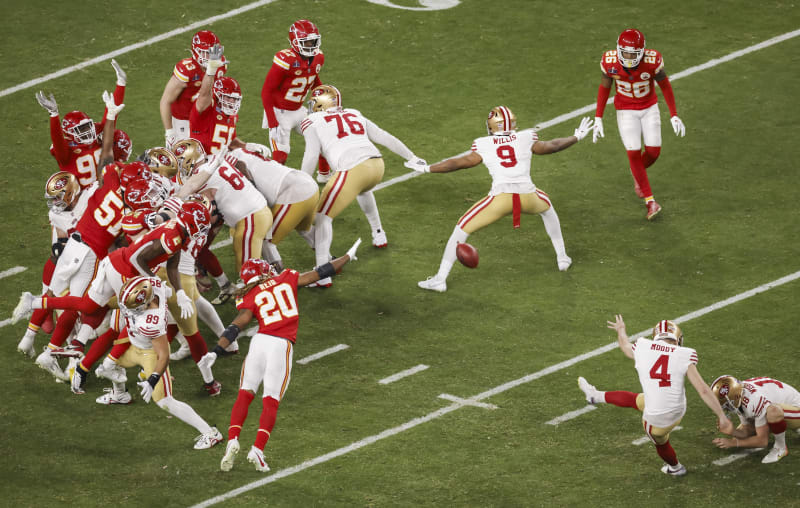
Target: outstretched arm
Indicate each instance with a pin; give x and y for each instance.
(470, 160)
(725, 425)
(622, 336)
(328, 269)
(558, 144)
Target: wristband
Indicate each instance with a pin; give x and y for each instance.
(231, 332)
(153, 380)
(326, 270)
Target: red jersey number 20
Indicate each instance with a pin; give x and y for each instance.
(276, 303)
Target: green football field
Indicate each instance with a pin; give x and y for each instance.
(492, 415)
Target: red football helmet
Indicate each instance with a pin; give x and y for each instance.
(201, 43)
(134, 171)
(78, 128)
(122, 146)
(630, 41)
(252, 269)
(305, 38)
(194, 218)
(228, 94)
(142, 193)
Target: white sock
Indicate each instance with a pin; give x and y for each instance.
(553, 227)
(323, 237)
(269, 251)
(29, 334)
(108, 363)
(118, 388)
(182, 340)
(184, 413)
(308, 236)
(208, 314)
(368, 205)
(780, 440)
(449, 256)
(85, 333)
(205, 371)
(222, 280)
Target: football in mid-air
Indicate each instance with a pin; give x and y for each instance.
(467, 254)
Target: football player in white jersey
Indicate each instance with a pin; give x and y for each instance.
(507, 154)
(243, 208)
(345, 138)
(143, 303)
(764, 405)
(662, 364)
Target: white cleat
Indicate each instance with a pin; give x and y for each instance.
(109, 397)
(50, 364)
(775, 455)
(322, 283)
(233, 348)
(256, 457)
(678, 470)
(592, 394)
(115, 374)
(24, 308)
(25, 346)
(379, 239)
(207, 440)
(226, 464)
(564, 263)
(181, 353)
(225, 294)
(433, 284)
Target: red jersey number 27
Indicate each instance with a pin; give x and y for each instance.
(659, 371)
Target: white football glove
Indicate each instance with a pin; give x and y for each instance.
(677, 126)
(122, 78)
(48, 103)
(185, 303)
(169, 138)
(214, 59)
(583, 129)
(598, 129)
(112, 109)
(147, 390)
(352, 251)
(418, 164)
(258, 148)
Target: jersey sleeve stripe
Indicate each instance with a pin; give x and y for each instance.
(304, 125)
(280, 63)
(180, 75)
(149, 332)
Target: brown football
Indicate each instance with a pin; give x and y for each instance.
(467, 254)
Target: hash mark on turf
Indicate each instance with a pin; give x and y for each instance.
(324, 352)
(736, 456)
(12, 271)
(572, 414)
(401, 375)
(466, 402)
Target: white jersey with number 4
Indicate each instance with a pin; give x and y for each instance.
(662, 371)
(759, 393)
(508, 158)
(145, 326)
(235, 196)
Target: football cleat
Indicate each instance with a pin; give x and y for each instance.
(77, 379)
(226, 464)
(225, 294)
(434, 284)
(256, 457)
(233, 348)
(379, 239)
(25, 346)
(652, 209)
(207, 440)
(114, 374)
(213, 388)
(71, 351)
(49, 363)
(775, 455)
(678, 470)
(109, 397)
(564, 263)
(592, 394)
(322, 283)
(182, 353)
(24, 308)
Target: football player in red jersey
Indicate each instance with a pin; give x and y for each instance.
(183, 86)
(635, 69)
(294, 72)
(272, 298)
(75, 146)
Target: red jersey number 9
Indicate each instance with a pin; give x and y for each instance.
(508, 157)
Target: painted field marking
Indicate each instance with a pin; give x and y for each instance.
(5, 322)
(132, 47)
(572, 414)
(735, 456)
(283, 473)
(221, 243)
(323, 353)
(466, 402)
(12, 271)
(645, 439)
(401, 375)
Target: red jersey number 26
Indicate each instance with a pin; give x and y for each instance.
(659, 371)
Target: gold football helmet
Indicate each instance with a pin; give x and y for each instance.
(323, 98)
(668, 330)
(136, 294)
(61, 191)
(162, 161)
(202, 199)
(501, 119)
(188, 152)
(728, 390)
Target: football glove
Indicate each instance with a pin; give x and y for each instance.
(148, 385)
(258, 148)
(48, 103)
(677, 126)
(352, 251)
(417, 164)
(112, 109)
(185, 303)
(122, 78)
(583, 129)
(598, 129)
(214, 59)
(169, 138)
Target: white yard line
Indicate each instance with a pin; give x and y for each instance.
(283, 473)
(735, 456)
(401, 375)
(323, 353)
(569, 416)
(12, 271)
(466, 402)
(5, 322)
(132, 47)
(221, 243)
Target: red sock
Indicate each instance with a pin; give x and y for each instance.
(209, 261)
(777, 427)
(266, 422)
(239, 413)
(172, 331)
(279, 156)
(98, 349)
(197, 345)
(119, 349)
(638, 171)
(324, 167)
(651, 153)
(38, 317)
(64, 326)
(80, 303)
(622, 399)
(666, 452)
(47, 272)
